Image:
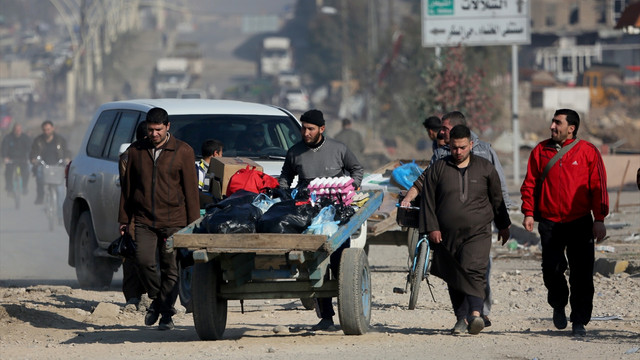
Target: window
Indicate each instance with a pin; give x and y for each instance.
(123, 133)
(574, 14)
(567, 65)
(280, 133)
(550, 17)
(100, 133)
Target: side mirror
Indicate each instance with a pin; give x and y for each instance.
(123, 148)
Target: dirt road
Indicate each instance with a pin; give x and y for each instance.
(63, 322)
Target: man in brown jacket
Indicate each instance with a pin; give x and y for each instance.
(160, 192)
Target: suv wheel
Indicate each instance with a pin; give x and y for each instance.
(91, 271)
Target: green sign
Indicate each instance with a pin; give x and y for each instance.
(440, 7)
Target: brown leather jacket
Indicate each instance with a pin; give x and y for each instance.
(163, 193)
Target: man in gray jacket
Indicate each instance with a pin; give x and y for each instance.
(318, 156)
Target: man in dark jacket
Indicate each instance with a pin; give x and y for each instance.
(160, 192)
(462, 197)
(15, 152)
(52, 149)
(318, 156)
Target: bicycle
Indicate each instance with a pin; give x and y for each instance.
(16, 179)
(419, 254)
(53, 178)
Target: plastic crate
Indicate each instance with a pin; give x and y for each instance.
(53, 175)
(408, 216)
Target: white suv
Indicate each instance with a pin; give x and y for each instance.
(93, 186)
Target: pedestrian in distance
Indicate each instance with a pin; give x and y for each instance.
(351, 138)
(52, 149)
(565, 191)
(15, 153)
(432, 125)
(159, 192)
(461, 197)
(313, 157)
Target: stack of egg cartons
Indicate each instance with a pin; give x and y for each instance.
(339, 189)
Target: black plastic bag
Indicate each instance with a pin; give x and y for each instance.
(286, 217)
(124, 246)
(283, 194)
(238, 198)
(344, 213)
(239, 219)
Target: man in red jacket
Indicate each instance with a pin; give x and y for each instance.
(160, 192)
(572, 201)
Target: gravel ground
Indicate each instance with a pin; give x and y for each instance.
(59, 321)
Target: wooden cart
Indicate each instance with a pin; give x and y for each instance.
(382, 228)
(277, 266)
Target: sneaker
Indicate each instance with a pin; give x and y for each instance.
(166, 323)
(559, 318)
(324, 324)
(459, 328)
(578, 330)
(476, 325)
(151, 317)
(487, 321)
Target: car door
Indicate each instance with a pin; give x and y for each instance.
(107, 178)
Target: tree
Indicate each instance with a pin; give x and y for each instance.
(420, 84)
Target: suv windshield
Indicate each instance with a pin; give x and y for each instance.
(253, 136)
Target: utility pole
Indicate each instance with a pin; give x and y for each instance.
(372, 52)
(346, 76)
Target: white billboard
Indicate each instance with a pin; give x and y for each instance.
(475, 22)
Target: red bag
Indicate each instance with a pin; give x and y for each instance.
(252, 180)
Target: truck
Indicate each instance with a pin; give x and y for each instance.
(605, 83)
(170, 76)
(276, 56)
(191, 51)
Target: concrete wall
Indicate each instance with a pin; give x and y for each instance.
(615, 165)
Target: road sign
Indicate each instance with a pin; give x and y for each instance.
(475, 22)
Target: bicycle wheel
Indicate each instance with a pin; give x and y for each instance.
(417, 274)
(17, 186)
(52, 206)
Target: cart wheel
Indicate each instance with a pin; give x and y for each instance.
(308, 303)
(354, 292)
(209, 310)
(417, 275)
(186, 280)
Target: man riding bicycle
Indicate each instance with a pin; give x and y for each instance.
(51, 148)
(15, 151)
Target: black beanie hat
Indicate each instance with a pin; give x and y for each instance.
(313, 117)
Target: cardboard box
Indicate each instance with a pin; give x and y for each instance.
(224, 167)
